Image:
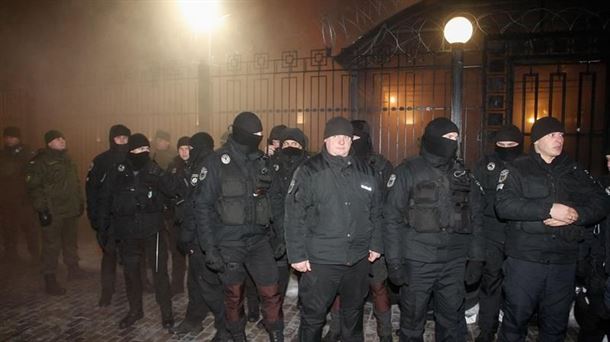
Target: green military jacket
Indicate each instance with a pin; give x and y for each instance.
(53, 184)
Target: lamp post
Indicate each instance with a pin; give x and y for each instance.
(203, 17)
(457, 31)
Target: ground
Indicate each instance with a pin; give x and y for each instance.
(28, 314)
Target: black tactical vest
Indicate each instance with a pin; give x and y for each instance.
(439, 200)
(243, 196)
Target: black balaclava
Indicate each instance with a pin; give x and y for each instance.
(138, 160)
(442, 149)
(364, 146)
(116, 131)
(244, 127)
(201, 145)
(509, 133)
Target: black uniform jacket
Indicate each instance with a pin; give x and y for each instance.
(487, 172)
(333, 211)
(132, 203)
(527, 189)
(97, 175)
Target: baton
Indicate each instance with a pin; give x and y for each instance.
(157, 255)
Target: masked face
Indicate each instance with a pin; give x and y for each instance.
(139, 157)
(251, 140)
(508, 150)
(444, 146)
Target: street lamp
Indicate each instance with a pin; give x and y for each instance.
(457, 31)
(203, 17)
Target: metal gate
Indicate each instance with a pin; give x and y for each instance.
(397, 99)
(572, 93)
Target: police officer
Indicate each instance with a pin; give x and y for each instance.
(204, 286)
(284, 163)
(130, 210)
(548, 199)
(333, 232)
(508, 146)
(233, 218)
(176, 170)
(362, 146)
(15, 209)
(98, 173)
(54, 188)
(432, 228)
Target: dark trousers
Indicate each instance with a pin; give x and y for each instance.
(204, 292)
(317, 291)
(108, 269)
(444, 284)
(178, 258)
(136, 251)
(256, 259)
(59, 236)
(490, 292)
(15, 220)
(252, 300)
(530, 287)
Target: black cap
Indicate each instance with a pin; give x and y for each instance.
(338, 126)
(183, 141)
(161, 134)
(509, 133)
(52, 135)
(296, 135)
(439, 127)
(12, 131)
(544, 126)
(276, 133)
(138, 140)
(118, 130)
(202, 140)
(248, 122)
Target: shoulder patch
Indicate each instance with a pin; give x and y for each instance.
(174, 170)
(121, 168)
(391, 181)
(491, 166)
(608, 190)
(91, 166)
(503, 175)
(225, 159)
(276, 167)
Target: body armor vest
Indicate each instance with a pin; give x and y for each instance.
(243, 200)
(439, 200)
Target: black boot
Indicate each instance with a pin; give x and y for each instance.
(188, 327)
(52, 287)
(239, 337)
(167, 318)
(130, 319)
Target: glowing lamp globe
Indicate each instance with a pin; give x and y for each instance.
(458, 30)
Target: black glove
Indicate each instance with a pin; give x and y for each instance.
(45, 218)
(214, 260)
(397, 274)
(474, 271)
(279, 250)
